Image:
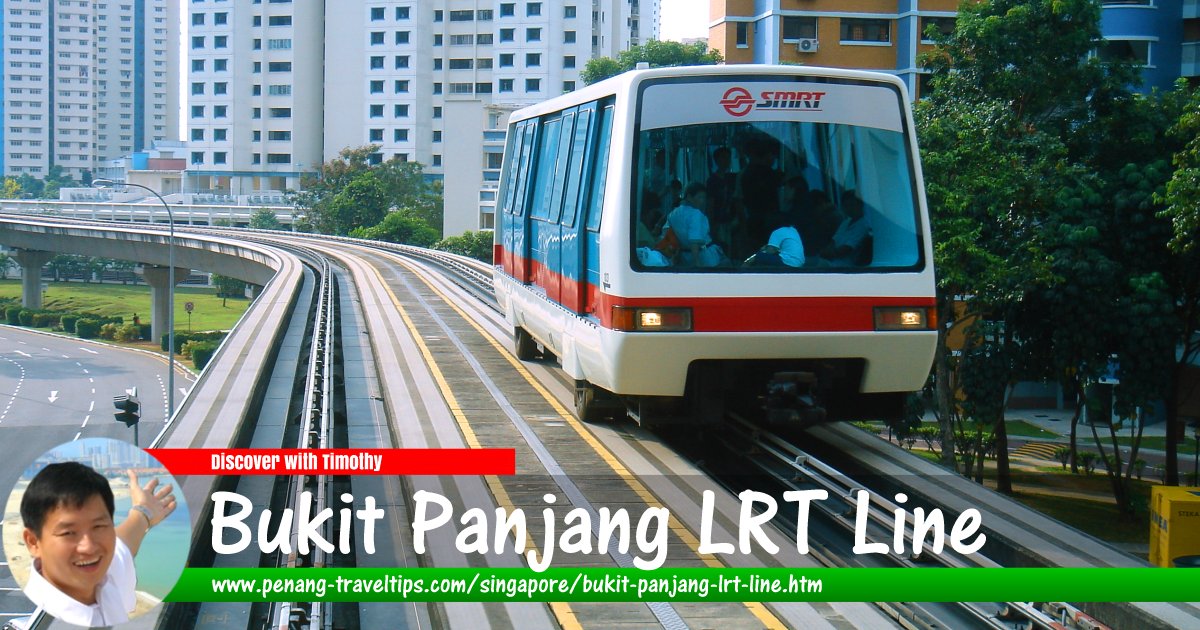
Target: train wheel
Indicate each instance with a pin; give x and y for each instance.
(526, 346)
(586, 408)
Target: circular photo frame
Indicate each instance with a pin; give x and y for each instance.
(96, 532)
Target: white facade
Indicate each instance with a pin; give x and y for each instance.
(86, 82)
(254, 96)
(427, 80)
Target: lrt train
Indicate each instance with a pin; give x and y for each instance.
(692, 240)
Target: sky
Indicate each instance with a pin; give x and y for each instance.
(683, 18)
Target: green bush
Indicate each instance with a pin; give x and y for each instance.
(128, 332)
(108, 331)
(202, 352)
(45, 319)
(25, 317)
(13, 315)
(145, 331)
(183, 337)
(87, 328)
(68, 321)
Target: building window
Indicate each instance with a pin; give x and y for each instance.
(377, 62)
(569, 37)
(462, 64)
(377, 87)
(198, 88)
(279, 158)
(375, 135)
(437, 135)
(401, 61)
(279, 44)
(376, 111)
(504, 85)
(221, 41)
(484, 15)
(507, 60)
(377, 38)
(197, 19)
(569, 61)
(257, 44)
(198, 42)
(256, 113)
(279, 135)
(483, 63)
(221, 88)
(220, 111)
(569, 12)
(484, 38)
(220, 135)
(220, 65)
(401, 13)
(256, 21)
(533, 85)
(437, 39)
(197, 65)
(483, 88)
(401, 37)
(437, 112)
(281, 66)
(197, 135)
(279, 20)
(437, 159)
(943, 26)
(256, 90)
(866, 31)
(506, 34)
(508, 9)
(400, 86)
(462, 40)
(533, 34)
(437, 88)
(568, 86)
(197, 157)
(437, 63)
(220, 18)
(797, 28)
(533, 60)
(437, 16)
(461, 88)
(533, 8)
(281, 112)
(197, 111)
(279, 90)
(399, 135)
(462, 16)
(256, 158)
(1135, 51)
(400, 111)
(218, 157)
(376, 14)
(743, 35)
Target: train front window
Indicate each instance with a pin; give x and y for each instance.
(734, 189)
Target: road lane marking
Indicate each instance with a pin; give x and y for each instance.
(88, 350)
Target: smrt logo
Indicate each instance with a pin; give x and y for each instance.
(737, 101)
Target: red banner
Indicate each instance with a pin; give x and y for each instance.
(338, 461)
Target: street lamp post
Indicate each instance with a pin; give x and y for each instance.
(103, 183)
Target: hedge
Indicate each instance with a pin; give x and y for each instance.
(68, 321)
(202, 353)
(184, 337)
(13, 315)
(87, 328)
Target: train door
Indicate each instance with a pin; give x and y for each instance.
(519, 242)
(596, 179)
(573, 270)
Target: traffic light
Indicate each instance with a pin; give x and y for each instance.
(129, 409)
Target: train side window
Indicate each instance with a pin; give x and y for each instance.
(515, 132)
(579, 148)
(544, 170)
(566, 132)
(600, 169)
(521, 193)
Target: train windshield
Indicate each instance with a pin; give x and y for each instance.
(767, 175)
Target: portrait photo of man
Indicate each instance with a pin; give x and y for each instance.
(83, 561)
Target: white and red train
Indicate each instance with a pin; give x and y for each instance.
(686, 239)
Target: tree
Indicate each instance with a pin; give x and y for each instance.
(350, 192)
(477, 245)
(6, 261)
(264, 219)
(655, 53)
(228, 287)
(1011, 84)
(12, 189)
(401, 226)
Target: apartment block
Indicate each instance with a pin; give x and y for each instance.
(889, 35)
(85, 82)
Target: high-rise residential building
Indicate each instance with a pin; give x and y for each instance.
(85, 82)
(889, 35)
(275, 88)
(254, 93)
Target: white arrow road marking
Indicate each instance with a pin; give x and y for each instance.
(53, 395)
(89, 350)
(183, 390)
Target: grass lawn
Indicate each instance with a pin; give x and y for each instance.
(1094, 517)
(113, 300)
(1018, 428)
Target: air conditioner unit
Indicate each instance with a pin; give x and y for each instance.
(807, 45)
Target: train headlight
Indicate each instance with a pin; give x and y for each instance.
(650, 319)
(904, 318)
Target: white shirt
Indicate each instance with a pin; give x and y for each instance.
(787, 241)
(115, 597)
